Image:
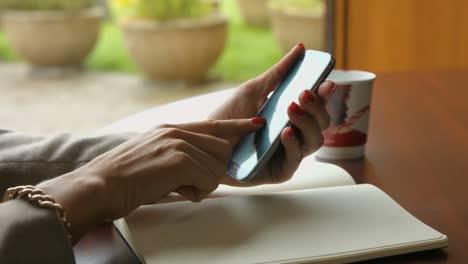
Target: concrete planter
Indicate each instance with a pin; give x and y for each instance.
(255, 12)
(176, 50)
(52, 38)
(291, 27)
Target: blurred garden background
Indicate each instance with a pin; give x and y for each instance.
(78, 65)
(250, 49)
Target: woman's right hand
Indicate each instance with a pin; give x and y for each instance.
(187, 158)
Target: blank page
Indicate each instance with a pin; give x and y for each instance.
(336, 225)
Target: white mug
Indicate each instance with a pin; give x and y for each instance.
(349, 109)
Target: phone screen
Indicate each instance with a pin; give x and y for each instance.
(311, 69)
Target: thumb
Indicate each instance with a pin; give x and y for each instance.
(224, 128)
(278, 72)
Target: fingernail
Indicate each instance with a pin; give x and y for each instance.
(258, 120)
(300, 44)
(308, 96)
(290, 132)
(295, 109)
(333, 89)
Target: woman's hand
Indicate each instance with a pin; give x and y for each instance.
(188, 158)
(309, 118)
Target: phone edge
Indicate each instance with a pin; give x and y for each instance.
(273, 147)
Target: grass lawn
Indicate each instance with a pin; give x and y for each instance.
(249, 51)
(6, 53)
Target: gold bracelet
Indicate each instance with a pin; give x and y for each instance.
(39, 198)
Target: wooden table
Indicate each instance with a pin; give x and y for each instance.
(417, 153)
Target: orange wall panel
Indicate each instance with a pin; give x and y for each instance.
(402, 35)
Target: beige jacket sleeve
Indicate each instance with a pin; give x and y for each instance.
(29, 234)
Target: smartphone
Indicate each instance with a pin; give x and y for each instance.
(255, 150)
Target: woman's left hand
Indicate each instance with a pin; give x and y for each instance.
(309, 117)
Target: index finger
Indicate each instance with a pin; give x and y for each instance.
(224, 128)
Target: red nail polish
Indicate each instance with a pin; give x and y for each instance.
(308, 96)
(290, 132)
(295, 109)
(300, 44)
(333, 89)
(258, 120)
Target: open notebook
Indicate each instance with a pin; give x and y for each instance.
(321, 215)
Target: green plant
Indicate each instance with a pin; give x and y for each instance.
(297, 4)
(46, 4)
(163, 10)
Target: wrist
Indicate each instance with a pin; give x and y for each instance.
(80, 196)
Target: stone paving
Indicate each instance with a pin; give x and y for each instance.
(53, 101)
